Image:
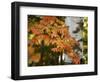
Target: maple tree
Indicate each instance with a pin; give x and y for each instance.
(48, 39)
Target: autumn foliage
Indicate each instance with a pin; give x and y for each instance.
(48, 37)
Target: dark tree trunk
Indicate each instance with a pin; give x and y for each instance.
(42, 52)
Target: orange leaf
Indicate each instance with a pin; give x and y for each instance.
(36, 58)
